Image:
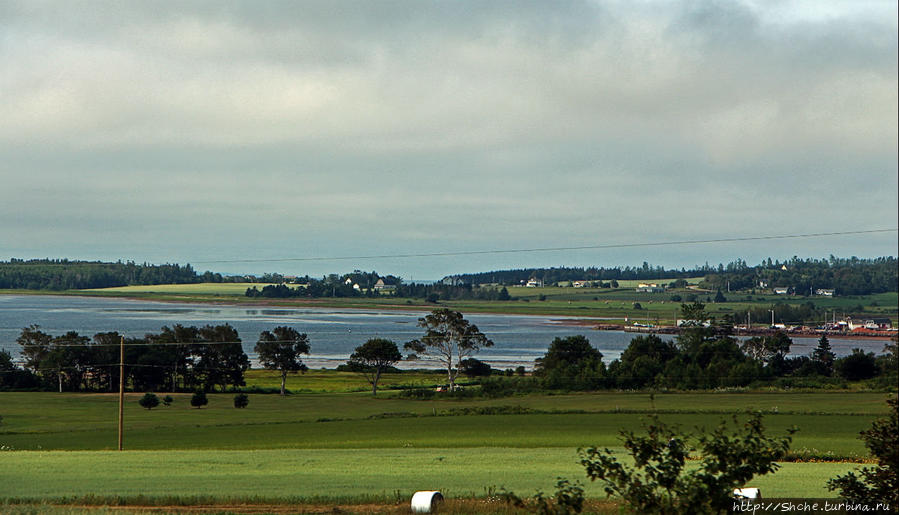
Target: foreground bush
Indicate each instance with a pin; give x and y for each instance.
(658, 481)
(880, 483)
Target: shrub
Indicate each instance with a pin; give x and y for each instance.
(568, 499)
(198, 399)
(241, 400)
(857, 366)
(658, 481)
(149, 401)
(473, 367)
(167, 401)
(880, 483)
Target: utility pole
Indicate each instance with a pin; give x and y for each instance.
(772, 317)
(121, 390)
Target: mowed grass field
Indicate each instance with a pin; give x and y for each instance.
(353, 446)
(329, 381)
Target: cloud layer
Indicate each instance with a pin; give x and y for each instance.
(216, 130)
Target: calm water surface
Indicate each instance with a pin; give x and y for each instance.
(333, 333)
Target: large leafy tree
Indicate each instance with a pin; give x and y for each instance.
(449, 338)
(35, 345)
(280, 349)
(571, 362)
(373, 357)
(220, 359)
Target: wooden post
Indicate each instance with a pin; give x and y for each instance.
(121, 390)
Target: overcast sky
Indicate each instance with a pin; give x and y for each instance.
(205, 131)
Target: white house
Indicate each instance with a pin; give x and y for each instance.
(781, 290)
(534, 283)
(824, 292)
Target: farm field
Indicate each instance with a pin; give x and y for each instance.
(330, 447)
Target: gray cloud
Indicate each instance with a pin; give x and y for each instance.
(284, 129)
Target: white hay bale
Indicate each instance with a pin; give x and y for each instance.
(425, 501)
(748, 493)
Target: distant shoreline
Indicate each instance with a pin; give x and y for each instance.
(554, 316)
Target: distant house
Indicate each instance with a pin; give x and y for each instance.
(534, 283)
(579, 284)
(650, 288)
(382, 286)
(763, 284)
(824, 292)
(781, 291)
(348, 281)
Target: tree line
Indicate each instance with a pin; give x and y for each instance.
(848, 276)
(852, 276)
(362, 285)
(62, 274)
(701, 357)
(178, 358)
(707, 357)
(563, 274)
(211, 357)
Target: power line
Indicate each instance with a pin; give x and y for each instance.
(551, 249)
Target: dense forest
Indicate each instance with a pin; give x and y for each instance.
(62, 274)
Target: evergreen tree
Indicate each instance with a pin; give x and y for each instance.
(823, 357)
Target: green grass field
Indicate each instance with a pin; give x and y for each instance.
(324, 381)
(368, 474)
(352, 446)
